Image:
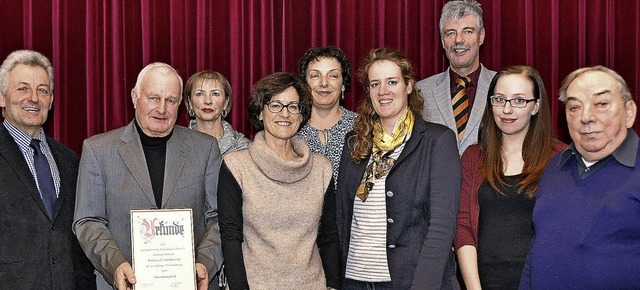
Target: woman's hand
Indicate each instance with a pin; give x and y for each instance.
(468, 262)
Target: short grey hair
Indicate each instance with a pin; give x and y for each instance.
(26, 57)
(160, 65)
(624, 89)
(457, 9)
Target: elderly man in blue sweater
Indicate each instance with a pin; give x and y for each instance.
(587, 214)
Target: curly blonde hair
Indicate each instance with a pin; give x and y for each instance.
(367, 116)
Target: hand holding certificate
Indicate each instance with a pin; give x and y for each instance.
(162, 250)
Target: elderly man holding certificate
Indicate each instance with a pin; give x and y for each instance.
(148, 164)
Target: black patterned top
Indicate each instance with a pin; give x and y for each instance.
(332, 149)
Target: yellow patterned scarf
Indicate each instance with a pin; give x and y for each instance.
(383, 146)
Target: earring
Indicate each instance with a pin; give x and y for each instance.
(224, 113)
(342, 93)
(191, 112)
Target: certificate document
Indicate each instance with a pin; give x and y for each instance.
(162, 249)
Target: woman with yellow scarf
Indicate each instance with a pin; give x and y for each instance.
(399, 187)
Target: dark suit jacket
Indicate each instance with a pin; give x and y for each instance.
(36, 252)
(114, 179)
(422, 197)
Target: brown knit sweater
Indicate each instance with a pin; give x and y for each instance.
(282, 203)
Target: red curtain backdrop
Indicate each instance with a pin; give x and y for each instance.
(98, 47)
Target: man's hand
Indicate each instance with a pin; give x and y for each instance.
(124, 277)
(202, 277)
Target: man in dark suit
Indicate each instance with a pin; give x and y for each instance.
(148, 164)
(457, 97)
(37, 185)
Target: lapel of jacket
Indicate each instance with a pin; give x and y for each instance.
(353, 177)
(66, 171)
(133, 157)
(177, 150)
(442, 92)
(11, 153)
(416, 135)
(479, 103)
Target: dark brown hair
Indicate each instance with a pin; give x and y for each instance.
(536, 149)
(367, 116)
(272, 85)
(315, 53)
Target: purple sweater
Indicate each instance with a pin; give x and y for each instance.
(587, 232)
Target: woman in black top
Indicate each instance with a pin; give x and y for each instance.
(500, 178)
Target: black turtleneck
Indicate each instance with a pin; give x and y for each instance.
(155, 153)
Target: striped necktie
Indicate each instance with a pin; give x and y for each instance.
(460, 103)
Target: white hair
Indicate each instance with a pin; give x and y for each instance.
(158, 65)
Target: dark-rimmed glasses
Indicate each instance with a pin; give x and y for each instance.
(276, 107)
(498, 101)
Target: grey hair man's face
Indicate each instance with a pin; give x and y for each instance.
(28, 98)
(461, 41)
(156, 102)
(597, 114)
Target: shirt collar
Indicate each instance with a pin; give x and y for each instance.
(21, 138)
(474, 76)
(625, 154)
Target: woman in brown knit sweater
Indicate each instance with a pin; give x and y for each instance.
(277, 200)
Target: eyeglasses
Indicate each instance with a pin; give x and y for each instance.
(276, 107)
(498, 101)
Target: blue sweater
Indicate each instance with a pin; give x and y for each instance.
(587, 232)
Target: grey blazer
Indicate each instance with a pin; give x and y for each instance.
(113, 179)
(436, 92)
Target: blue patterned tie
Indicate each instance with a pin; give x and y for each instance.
(45, 179)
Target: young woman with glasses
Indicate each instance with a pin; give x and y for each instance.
(499, 180)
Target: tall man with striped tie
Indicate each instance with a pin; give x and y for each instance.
(37, 185)
(457, 97)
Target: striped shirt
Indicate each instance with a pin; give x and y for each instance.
(367, 258)
(23, 140)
